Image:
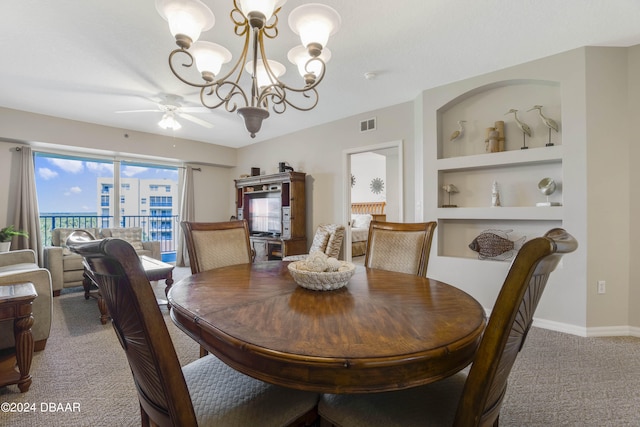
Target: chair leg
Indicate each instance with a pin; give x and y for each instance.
(203, 351)
(310, 419)
(144, 418)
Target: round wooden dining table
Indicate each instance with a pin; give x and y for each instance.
(383, 331)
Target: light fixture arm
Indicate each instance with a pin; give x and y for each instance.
(267, 90)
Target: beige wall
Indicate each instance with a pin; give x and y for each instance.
(608, 186)
(318, 152)
(633, 195)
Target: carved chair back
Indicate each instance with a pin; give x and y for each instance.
(508, 326)
(136, 318)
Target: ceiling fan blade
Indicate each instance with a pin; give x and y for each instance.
(196, 120)
(195, 110)
(140, 111)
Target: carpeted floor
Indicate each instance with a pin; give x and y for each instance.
(82, 377)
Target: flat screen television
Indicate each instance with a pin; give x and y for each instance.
(265, 213)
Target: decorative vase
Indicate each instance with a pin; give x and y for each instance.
(5, 246)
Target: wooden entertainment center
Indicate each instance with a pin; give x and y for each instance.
(275, 208)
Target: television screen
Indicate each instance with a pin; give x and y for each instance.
(265, 214)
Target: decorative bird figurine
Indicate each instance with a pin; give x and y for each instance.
(523, 126)
(458, 133)
(526, 130)
(548, 122)
(450, 189)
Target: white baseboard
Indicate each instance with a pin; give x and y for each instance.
(597, 331)
(560, 327)
(614, 331)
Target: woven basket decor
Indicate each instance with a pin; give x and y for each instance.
(323, 280)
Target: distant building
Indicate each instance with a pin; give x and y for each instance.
(147, 203)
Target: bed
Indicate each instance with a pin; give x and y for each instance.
(361, 216)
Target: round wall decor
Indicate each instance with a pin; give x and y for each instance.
(377, 185)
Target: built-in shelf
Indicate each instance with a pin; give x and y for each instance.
(505, 158)
(506, 213)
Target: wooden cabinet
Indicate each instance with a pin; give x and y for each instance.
(275, 208)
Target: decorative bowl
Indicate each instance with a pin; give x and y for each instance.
(322, 281)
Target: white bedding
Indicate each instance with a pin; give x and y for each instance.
(359, 234)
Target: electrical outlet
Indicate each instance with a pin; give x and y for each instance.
(602, 287)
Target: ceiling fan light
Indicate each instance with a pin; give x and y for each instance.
(209, 57)
(186, 17)
(169, 122)
(261, 72)
(314, 23)
(265, 7)
(299, 56)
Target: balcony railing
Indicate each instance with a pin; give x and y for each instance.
(154, 228)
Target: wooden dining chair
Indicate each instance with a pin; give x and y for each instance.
(472, 399)
(217, 244)
(205, 392)
(401, 247)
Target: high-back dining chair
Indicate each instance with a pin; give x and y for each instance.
(217, 244)
(472, 399)
(401, 247)
(205, 392)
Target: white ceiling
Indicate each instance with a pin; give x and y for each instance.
(86, 59)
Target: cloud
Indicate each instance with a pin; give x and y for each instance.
(68, 165)
(47, 174)
(130, 171)
(73, 190)
(98, 167)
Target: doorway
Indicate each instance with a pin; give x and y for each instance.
(380, 179)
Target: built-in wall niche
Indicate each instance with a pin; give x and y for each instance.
(517, 185)
(483, 106)
(460, 233)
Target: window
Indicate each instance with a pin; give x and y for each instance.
(82, 192)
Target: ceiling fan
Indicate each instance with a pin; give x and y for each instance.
(170, 106)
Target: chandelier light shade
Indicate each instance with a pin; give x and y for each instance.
(252, 86)
(186, 18)
(314, 23)
(300, 57)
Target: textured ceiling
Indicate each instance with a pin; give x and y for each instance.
(85, 60)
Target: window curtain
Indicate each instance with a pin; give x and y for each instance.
(187, 213)
(27, 214)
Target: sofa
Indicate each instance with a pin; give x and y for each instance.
(66, 267)
(20, 267)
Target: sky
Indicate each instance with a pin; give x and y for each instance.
(69, 184)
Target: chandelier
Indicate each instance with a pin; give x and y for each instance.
(255, 20)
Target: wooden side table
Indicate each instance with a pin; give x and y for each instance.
(154, 269)
(16, 303)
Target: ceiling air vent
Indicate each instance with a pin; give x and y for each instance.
(367, 125)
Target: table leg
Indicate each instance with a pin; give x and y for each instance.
(102, 306)
(168, 282)
(86, 284)
(24, 349)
